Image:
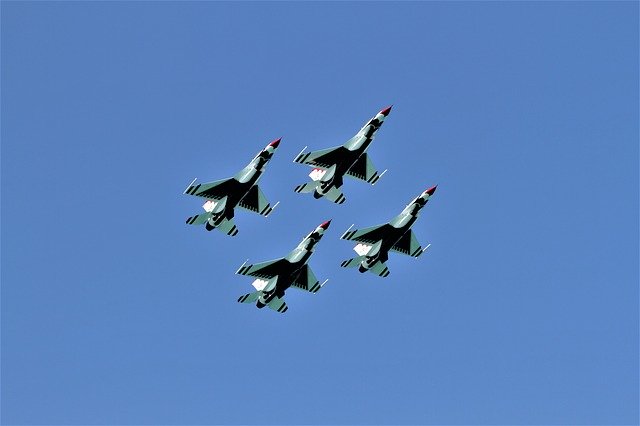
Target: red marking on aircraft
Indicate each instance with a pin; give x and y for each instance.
(326, 224)
(385, 111)
(275, 143)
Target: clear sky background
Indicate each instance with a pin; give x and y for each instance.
(523, 311)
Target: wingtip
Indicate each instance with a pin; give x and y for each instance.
(386, 110)
(189, 186)
(431, 190)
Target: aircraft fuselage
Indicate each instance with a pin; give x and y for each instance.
(291, 268)
(244, 181)
(357, 146)
(398, 226)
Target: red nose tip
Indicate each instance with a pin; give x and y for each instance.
(325, 225)
(431, 190)
(385, 111)
(275, 143)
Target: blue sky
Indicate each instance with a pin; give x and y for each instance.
(523, 311)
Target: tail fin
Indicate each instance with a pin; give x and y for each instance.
(307, 187)
(249, 297)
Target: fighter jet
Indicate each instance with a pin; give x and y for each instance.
(376, 242)
(330, 165)
(274, 277)
(225, 195)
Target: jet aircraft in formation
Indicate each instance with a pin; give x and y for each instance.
(351, 159)
(274, 277)
(225, 195)
(397, 235)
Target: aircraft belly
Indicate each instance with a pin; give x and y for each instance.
(392, 239)
(295, 257)
(348, 163)
(283, 284)
(236, 196)
(360, 143)
(296, 266)
(293, 271)
(401, 222)
(250, 175)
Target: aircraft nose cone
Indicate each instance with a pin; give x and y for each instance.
(325, 225)
(386, 111)
(431, 190)
(275, 143)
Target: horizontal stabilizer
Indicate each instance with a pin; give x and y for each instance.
(352, 263)
(198, 219)
(335, 195)
(228, 227)
(380, 269)
(278, 305)
(249, 297)
(307, 187)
